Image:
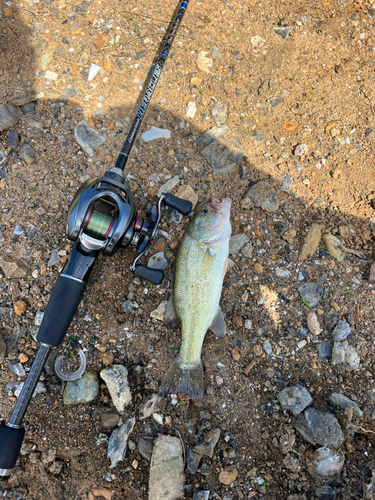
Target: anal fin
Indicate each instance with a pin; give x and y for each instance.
(170, 315)
(218, 326)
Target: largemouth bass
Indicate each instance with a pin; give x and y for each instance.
(200, 266)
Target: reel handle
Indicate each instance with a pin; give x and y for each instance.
(182, 206)
(154, 275)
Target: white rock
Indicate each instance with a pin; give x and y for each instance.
(116, 379)
(282, 273)
(257, 42)
(94, 70)
(51, 75)
(191, 109)
(158, 418)
(156, 133)
(167, 469)
(159, 312)
(313, 323)
(248, 324)
(204, 63)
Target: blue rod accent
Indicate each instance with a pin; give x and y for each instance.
(164, 54)
(183, 5)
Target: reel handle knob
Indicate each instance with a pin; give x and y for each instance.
(154, 275)
(182, 206)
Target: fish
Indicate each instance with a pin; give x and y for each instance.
(199, 269)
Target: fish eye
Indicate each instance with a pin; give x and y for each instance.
(204, 211)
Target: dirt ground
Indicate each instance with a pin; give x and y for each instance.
(314, 87)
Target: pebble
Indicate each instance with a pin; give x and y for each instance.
(157, 261)
(191, 109)
(264, 196)
(248, 324)
(228, 475)
(20, 307)
(51, 75)
(54, 258)
(17, 368)
(159, 312)
(169, 185)
(284, 31)
(328, 463)
(257, 42)
(127, 306)
(204, 63)
(38, 318)
(186, 192)
(337, 399)
(313, 323)
(331, 320)
(334, 247)
(89, 139)
(145, 448)
(109, 420)
(282, 273)
(118, 442)
(258, 268)
(299, 422)
(236, 242)
(13, 139)
(83, 390)
(312, 293)
(295, 398)
(312, 240)
(219, 114)
(193, 459)
(300, 150)
(18, 230)
(27, 153)
(166, 480)
(3, 349)
(201, 495)
(207, 447)
(344, 356)
(222, 156)
(275, 101)
(9, 116)
(175, 216)
(325, 428)
(116, 379)
(325, 493)
(212, 134)
(39, 389)
(325, 350)
(153, 404)
(247, 250)
(341, 331)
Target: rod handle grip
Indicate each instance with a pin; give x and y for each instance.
(182, 206)
(10, 447)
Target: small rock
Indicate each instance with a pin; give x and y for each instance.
(152, 405)
(16, 368)
(207, 447)
(175, 216)
(256, 135)
(292, 463)
(275, 101)
(331, 320)
(287, 182)
(228, 475)
(257, 42)
(324, 427)
(313, 323)
(13, 139)
(282, 273)
(38, 318)
(9, 116)
(169, 185)
(236, 242)
(247, 250)
(325, 350)
(337, 399)
(212, 134)
(204, 63)
(51, 75)
(127, 306)
(20, 307)
(341, 331)
(325, 493)
(193, 459)
(312, 240)
(258, 268)
(158, 261)
(160, 311)
(89, 139)
(101, 492)
(311, 293)
(248, 324)
(118, 442)
(39, 389)
(167, 469)
(246, 203)
(334, 247)
(284, 31)
(54, 258)
(145, 448)
(223, 157)
(264, 196)
(328, 463)
(186, 192)
(27, 153)
(83, 390)
(18, 230)
(201, 495)
(116, 379)
(300, 150)
(191, 109)
(300, 424)
(3, 349)
(219, 114)
(295, 399)
(109, 420)
(344, 356)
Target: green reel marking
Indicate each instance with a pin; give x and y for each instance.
(99, 224)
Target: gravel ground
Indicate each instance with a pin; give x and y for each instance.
(288, 90)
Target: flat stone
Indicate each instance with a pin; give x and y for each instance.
(191, 109)
(300, 150)
(344, 356)
(341, 401)
(284, 32)
(159, 312)
(207, 448)
(204, 62)
(201, 494)
(193, 459)
(236, 242)
(325, 493)
(13, 139)
(9, 116)
(158, 261)
(89, 139)
(27, 153)
(341, 331)
(246, 126)
(83, 390)
(299, 422)
(312, 240)
(169, 185)
(18, 230)
(39, 389)
(264, 196)
(145, 448)
(228, 475)
(109, 420)
(219, 114)
(17, 368)
(282, 273)
(212, 134)
(275, 101)
(186, 192)
(127, 306)
(311, 293)
(331, 320)
(12, 268)
(295, 398)
(325, 350)
(118, 442)
(54, 258)
(325, 428)
(247, 250)
(3, 349)
(328, 463)
(167, 469)
(313, 323)
(223, 157)
(116, 379)
(334, 247)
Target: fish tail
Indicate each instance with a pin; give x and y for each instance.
(184, 380)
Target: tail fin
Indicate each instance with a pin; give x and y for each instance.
(183, 380)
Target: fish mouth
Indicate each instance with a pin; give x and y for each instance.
(221, 207)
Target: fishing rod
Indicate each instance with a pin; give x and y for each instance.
(102, 218)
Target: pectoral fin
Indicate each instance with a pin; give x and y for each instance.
(170, 315)
(218, 326)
